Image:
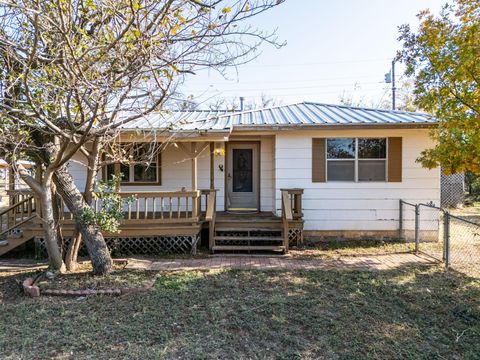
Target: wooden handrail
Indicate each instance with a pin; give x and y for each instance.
(3, 232)
(211, 217)
(286, 217)
(17, 214)
(287, 206)
(25, 191)
(15, 205)
(295, 197)
(142, 194)
(210, 207)
(291, 210)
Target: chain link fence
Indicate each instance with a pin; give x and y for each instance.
(463, 245)
(442, 236)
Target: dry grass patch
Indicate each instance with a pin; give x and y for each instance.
(83, 279)
(335, 250)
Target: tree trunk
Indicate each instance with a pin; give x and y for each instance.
(71, 256)
(42, 187)
(93, 159)
(48, 222)
(57, 213)
(93, 238)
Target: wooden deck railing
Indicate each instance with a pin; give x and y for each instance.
(291, 210)
(22, 211)
(159, 206)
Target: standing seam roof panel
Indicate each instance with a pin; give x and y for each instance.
(296, 114)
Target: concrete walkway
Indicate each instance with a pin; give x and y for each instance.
(373, 262)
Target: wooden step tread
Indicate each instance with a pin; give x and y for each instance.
(250, 238)
(249, 225)
(233, 229)
(247, 247)
(249, 221)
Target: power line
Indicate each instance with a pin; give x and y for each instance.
(240, 90)
(309, 93)
(288, 82)
(319, 63)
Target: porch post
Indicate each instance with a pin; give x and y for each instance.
(212, 165)
(38, 177)
(11, 185)
(194, 175)
(194, 166)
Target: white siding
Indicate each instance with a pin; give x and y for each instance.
(348, 205)
(78, 169)
(267, 174)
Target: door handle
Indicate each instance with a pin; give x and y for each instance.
(229, 176)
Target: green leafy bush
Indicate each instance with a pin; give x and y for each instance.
(110, 209)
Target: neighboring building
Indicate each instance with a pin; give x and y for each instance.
(336, 171)
(452, 190)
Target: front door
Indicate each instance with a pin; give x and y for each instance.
(243, 176)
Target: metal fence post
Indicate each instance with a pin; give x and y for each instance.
(400, 221)
(417, 227)
(446, 238)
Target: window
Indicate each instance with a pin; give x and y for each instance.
(341, 159)
(372, 159)
(144, 168)
(353, 159)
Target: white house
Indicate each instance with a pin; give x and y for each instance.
(281, 174)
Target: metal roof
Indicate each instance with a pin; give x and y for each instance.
(301, 114)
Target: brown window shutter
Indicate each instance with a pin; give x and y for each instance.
(394, 159)
(318, 160)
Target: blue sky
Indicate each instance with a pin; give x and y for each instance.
(333, 48)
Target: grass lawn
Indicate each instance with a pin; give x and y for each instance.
(335, 250)
(414, 312)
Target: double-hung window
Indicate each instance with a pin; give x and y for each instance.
(341, 155)
(372, 159)
(356, 159)
(143, 166)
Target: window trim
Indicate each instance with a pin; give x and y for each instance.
(356, 160)
(131, 174)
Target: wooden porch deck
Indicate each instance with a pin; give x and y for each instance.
(173, 214)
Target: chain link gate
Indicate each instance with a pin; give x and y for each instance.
(442, 236)
(431, 234)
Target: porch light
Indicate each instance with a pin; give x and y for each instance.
(219, 151)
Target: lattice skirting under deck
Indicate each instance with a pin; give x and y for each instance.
(140, 245)
(295, 237)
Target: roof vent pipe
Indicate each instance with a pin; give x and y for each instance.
(241, 102)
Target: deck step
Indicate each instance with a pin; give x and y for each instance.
(13, 242)
(254, 229)
(249, 226)
(250, 221)
(250, 238)
(248, 247)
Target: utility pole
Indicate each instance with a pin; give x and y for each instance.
(390, 79)
(393, 84)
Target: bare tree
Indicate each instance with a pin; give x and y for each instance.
(233, 104)
(75, 72)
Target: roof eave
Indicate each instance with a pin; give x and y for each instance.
(289, 127)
